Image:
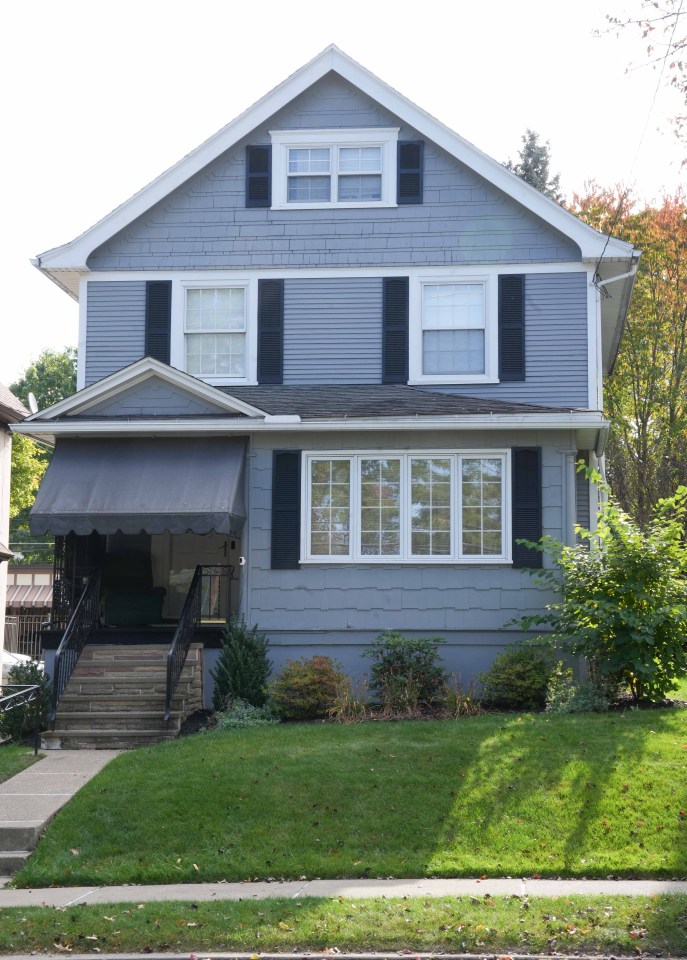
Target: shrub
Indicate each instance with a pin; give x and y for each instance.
(518, 678)
(243, 666)
(19, 724)
(351, 703)
(621, 597)
(240, 715)
(405, 671)
(458, 701)
(567, 695)
(306, 689)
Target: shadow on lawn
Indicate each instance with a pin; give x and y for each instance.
(568, 796)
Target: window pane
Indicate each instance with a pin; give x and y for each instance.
(330, 511)
(360, 159)
(430, 521)
(309, 189)
(215, 354)
(448, 306)
(360, 188)
(380, 507)
(309, 160)
(221, 308)
(453, 351)
(482, 505)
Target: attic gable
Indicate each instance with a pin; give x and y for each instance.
(61, 263)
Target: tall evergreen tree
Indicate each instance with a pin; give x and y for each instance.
(533, 166)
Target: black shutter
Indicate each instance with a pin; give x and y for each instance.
(526, 505)
(511, 328)
(270, 331)
(158, 319)
(409, 173)
(259, 176)
(395, 330)
(286, 509)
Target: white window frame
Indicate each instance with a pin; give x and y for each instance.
(179, 332)
(384, 137)
(356, 555)
(489, 281)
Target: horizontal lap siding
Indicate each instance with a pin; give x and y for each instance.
(555, 345)
(115, 327)
(333, 331)
(205, 224)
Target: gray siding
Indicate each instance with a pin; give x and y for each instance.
(333, 331)
(115, 327)
(339, 608)
(205, 225)
(153, 398)
(555, 345)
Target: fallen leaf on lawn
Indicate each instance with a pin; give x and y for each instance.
(195, 866)
(92, 937)
(285, 926)
(75, 852)
(112, 918)
(62, 948)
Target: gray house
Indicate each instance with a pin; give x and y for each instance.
(333, 365)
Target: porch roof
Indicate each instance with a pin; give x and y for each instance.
(128, 484)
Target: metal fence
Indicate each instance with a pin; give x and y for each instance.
(23, 633)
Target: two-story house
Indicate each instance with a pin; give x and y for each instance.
(340, 350)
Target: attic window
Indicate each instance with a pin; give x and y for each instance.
(334, 168)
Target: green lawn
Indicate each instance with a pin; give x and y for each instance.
(497, 795)
(614, 925)
(13, 759)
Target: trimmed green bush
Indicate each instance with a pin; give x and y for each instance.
(567, 695)
(243, 667)
(306, 689)
(240, 715)
(518, 679)
(405, 671)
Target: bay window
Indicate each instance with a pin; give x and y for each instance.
(424, 507)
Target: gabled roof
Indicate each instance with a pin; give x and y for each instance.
(71, 258)
(11, 408)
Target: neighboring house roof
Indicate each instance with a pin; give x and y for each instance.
(11, 409)
(64, 264)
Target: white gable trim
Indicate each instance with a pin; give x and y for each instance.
(73, 255)
(138, 372)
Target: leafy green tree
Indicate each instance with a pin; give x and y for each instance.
(646, 395)
(28, 466)
(50, 378)
(621, 597)
(533, 166)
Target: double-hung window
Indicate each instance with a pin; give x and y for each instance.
(420, 507)
(215, 323)
(453, 330)
(333, 168)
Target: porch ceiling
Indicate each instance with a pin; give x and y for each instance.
(171, 484)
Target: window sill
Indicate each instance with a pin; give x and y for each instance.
(412, 561)
(450, 380)
(336, 205)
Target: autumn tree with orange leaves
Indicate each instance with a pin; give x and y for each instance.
(646, 395)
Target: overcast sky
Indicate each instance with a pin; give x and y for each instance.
(98, 99)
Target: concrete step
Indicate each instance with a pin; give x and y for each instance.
(116, 720)
(132, 686)
(13, 860)
(104, 739)
(18, 837)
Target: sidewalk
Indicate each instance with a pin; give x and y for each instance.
(29, 800)
(351, 889)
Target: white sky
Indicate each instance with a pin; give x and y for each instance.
(100, 98)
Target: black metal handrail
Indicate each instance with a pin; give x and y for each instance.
(79, 629)
(24, 695)
(208, 600)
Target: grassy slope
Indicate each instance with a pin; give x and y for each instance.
(614, 925)
(495, 795)
(13, 759)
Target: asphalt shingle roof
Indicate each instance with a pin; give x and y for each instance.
(11, 409)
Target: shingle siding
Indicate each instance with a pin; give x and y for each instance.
(115, 326)
(205, 224)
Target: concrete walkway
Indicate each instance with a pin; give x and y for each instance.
(29, 800)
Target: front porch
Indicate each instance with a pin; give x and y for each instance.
(132, 615)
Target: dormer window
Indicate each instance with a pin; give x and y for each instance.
(334, 168)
